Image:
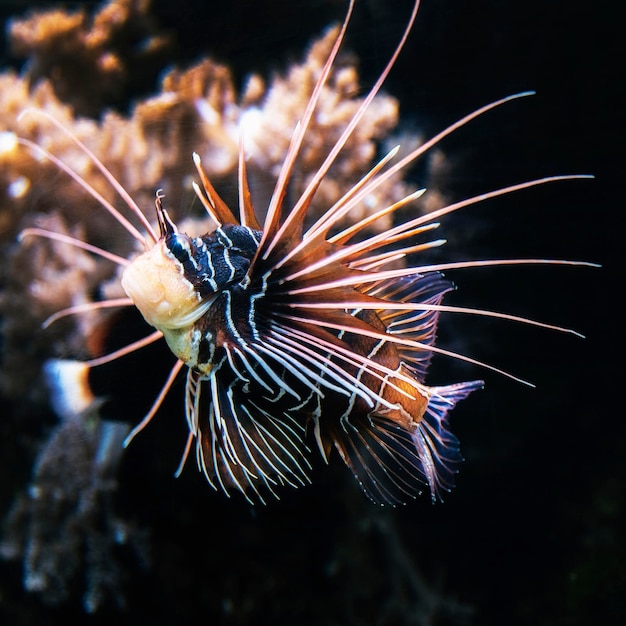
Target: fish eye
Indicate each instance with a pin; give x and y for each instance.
(178, 245)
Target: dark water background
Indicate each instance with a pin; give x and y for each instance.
(534, 531)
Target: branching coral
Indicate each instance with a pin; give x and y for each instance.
(110, 47)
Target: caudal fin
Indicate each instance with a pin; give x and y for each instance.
(393, 463)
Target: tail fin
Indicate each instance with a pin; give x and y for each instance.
(391, 462)
(436, 447)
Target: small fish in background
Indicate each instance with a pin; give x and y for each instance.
(299, 332)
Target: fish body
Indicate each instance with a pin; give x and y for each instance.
(261, 374)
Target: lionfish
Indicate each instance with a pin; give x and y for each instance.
(289, 332)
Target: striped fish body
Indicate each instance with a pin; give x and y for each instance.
(258, 380)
